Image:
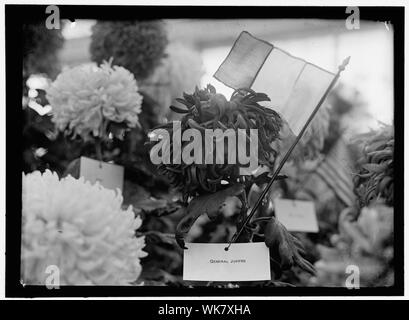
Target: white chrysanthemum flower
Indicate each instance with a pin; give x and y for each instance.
(84, 96)
(122, 101)
(81, 229)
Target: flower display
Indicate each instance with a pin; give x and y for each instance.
(79, 228)
(86, 98)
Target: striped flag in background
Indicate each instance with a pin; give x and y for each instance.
(336, 171)
(295, 86)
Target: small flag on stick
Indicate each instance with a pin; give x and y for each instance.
(295, 86)
(297, 89)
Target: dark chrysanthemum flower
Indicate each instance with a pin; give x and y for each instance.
(40, 47)
(375, 178)
(136, 45)
(207, 109)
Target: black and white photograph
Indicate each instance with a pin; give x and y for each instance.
(209, 151)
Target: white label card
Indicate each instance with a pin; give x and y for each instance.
(211, 262)
(110, 176)
(296, 215)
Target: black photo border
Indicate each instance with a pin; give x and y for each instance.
(15, 15)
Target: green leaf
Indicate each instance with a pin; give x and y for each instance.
(285, 248)
(178, 110)
(207, 203)
(184, 102)
(158, 237)
(211, 88)
(373, 167)
(189, 98)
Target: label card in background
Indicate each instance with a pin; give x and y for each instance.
(296, 215)
(242, 262)
(110, 176)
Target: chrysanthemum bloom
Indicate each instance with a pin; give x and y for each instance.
(79, 228)
(137, 45)
(85, 98)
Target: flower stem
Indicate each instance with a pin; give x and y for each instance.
(98, 148)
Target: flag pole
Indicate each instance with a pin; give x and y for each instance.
(288, 153)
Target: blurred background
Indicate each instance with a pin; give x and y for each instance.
(368, 79)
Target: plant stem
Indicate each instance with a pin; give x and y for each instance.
(98, 148)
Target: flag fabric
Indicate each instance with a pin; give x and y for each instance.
(295, 86)
(336, 171)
